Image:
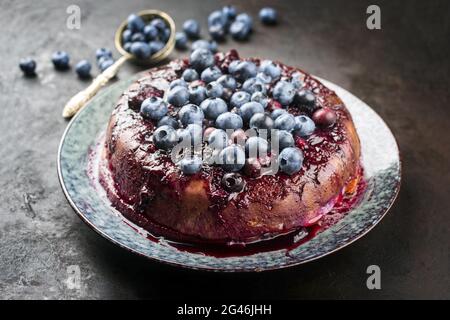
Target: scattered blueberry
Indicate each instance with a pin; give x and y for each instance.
(83, 69)
(211, 74)
(229, 120)
(28, 66)
(217, 32)
(213, 107)
(191, 113)
(165, 137)
(304, 126)
(181, 41)
(150, 32)
(135, 23)
(232, 158)
(178, 96)
(290, 160)
(214, 89)
(247, 110)
(240, 30)
(153, 108)
(261, 121)
(190, 165)
(284, 92)
(285, 122)
(141, 50)
(201, 59)
(217, 18)
(190, 75)
(60, 60)
(105, 64)
(233, 182)
(103, 53)
(203, 44)
(191, 28)
(285, 139)
(245, 18)
(256, 147)
(218, 139)
(168, 121)
(227, 81)
(229, 12)
(268, 15)
(239, 98)
(197, 94)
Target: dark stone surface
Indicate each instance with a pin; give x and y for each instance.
(402, 71)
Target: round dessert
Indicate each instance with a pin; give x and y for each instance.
(219, 149)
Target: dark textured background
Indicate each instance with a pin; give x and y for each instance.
(402, 71)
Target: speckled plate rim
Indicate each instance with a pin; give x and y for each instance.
(233, 268)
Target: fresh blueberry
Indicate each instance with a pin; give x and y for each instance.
(245, 18)
(285, 139)
(217, 32)
(150, 32)
(285, 122)
(256, 147)
(204, 44)
(127, 46)
(247, 110)
(103, 53)
(191, 113)
(211, 74)
(181, 41)
(264, 78)
(178, 96)
(229, 120)
(190, 75)
(197, 94)
(126, 36)
(269, 68)
(214, 89)
(165, 137)
(260, 98)
(213, 46)
(218, 139)
(213, 107)
(233, 66)
(158, 24)
(190, 165)
(233, 182)
(297, 80)
(253, 85)
(168, 121)
(83, 69)
(141, 50)
(196, 133)
(153, 108)
(276, 113)
(290, 160)
(239, 30)
(239, 98)
(156, 46)
(284, 92)
(268, 15)
(28, 66)
(261, 121)
(135, 23)
(60, 60)
(304, 126)
(232, 158)
(244, 70)
(217, 18)
(191, 28)
(165, 34)
(138, 37)
(178, 82)
(229, 12)
(227, 81)
(306, 99)
(105, 64)
(201, 59)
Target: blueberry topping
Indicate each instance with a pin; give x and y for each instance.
(141, 50)
(233, 182)
(201, 59)
(284, 92)
(190, 75)
(276, 113)
(150, 32)
(168, 121)
(249, 109)
(178, 96)
(239, 98)
(324, 117)
(229, 120)
(261, 121)
(165, 137)
(304, 126)
(28, 66)
(178, 82)
(260, 98)
(135, 23)
(204, 44)
(268, 16)
(195, 132)
(211, 74)
(297, 80)
(191, 113)
(214, 90)
(191, 28)
(197, 94)
(264, 78)
(83, 69)
(232, 158)
(244, 70)
(290, 160)
(253, 85)
(218, 139)
(153, 108)
(306, 99)
(285, 122)
(256, 147)
(190, 165)
(285, 139)
(213, 107)
(232, 66)
(271, 69)
(60, 60)
(227, 81)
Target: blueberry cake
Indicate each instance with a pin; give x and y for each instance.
(219, 149)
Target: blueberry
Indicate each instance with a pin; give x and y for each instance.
(178, 96)
(141, 50)
(261, 121)
(304, 126)
(232, 66)
(190, 75)
(28, 66)
(239, 98)
(196, 133)
(158, 24)
(217, 32)
(138, 37)
(211, 74)
(83, 69)
(197, 94)
(290, 160)
(60, 60)
(245, 18)
(150, 32)
(260, 98)
(247, 110)
(218, 139)
(214, 89)
(253, 85)
(229, 120)
(135, 23)
(285, 122)
(213, 107)
(297, 80)
(264, 78)
(284, 92)
(256, 147)
(181, 41)
(168, 121)
(227, 81)
(105, 64)
(127, 46)
(190, 165)
(239, 30)
(103, 52)
(201, 59)
(213, 46)
(191, 113)
(269, 68)
(178, 82)
(204, 44)
(126, 36)
(191, 28)
(217, 18)
(153, 108)
(244, 70)
(233, 182)
(165, 137)
(268, 15)
(232, 158)
(229, 12)
(306, 99)
(156, 46)
(276, 113)
(285, 139)
(165, 34)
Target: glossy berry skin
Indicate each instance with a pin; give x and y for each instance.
(83, 69)
(138, 37)
(127, 46)
(249, 109)
(165, 137)
(285, 122)
(191, 113)
(239, 98)
(211, 74)
(178, 82)
(195, 132)
(290, 160)
(197, 94)
(190, 75)
(214, 90)
(61, 60)
(126, 36)
(165, 35)
(213, 107)
(306, 99)
(245, 18)
(261, 121)
(264, 78)
(181, 41)
(232, 66)
(202, 44)
(153, 108)
(229, 12)
(28, 66)
(168, 121)
(304, 126)
(158, 24)
(284, 92)
(233, 182)
(268, 16)
(141, 50)
(232, 158)
(150, 32)
(240, 30)
(269, 68)
(324, 117)
(178, 96)
(105, 64)
(156, 46)
(276, 113)
(260, 98)
(227, 81)
(285, 139)
(297, 80)
(135, 23)
(201, 59)
(253, 85)
(256, 147)
(218, 139)
(229, 120)
(103, 52)
(190, 165)
(217, 18)
(191, 28)
(217, 32)
(244, 70)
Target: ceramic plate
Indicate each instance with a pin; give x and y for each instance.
(380, 157)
